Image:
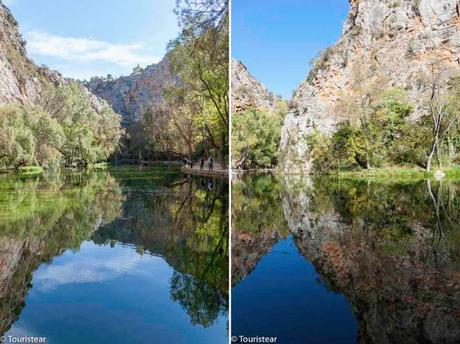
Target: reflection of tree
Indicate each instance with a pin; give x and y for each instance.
(185, 222)
(42, 218)
(202, 301)
(258, 221)
(378, 243)
(445, 216)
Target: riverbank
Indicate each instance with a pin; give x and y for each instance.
(146, 162)
(23, 171)
(38, 170)
(384, 173)
(400, 174)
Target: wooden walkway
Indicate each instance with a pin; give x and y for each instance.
(217, 171)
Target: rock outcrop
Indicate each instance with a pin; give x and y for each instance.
(21, 80)
(128, 95)
(19, 77)
(248, 92)
(396, 40)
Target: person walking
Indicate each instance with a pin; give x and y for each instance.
(211, 164)
(201, 164)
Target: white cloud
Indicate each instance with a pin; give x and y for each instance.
(94, 264)
(87, 49)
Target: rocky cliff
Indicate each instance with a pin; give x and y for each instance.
(128, 95)
(15, 84)
(21, 80)
(396, 40)
(248, 92)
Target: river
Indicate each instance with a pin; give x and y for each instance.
(127, 255)
(324, 260)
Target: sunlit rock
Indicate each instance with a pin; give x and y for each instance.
(398, 41)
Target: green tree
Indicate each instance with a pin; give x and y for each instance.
(90, 135)
(63, 127)
(255, 139)
(17, 142)
(199, 58)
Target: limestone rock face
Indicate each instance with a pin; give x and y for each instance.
(21, 80)
(398, 40)
(19, 77)
(248, 92)
(128, 95)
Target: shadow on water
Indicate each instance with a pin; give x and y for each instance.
(145, 249)
(391, 249)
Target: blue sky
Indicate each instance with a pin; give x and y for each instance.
(276, 39)
(83, 38)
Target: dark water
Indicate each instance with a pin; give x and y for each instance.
(335, 261)
(124, 256)
(284, 298)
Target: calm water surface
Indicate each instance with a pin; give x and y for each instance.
(336, 261)
(121, 256)
(290, 302)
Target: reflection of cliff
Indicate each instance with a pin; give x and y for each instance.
(39, 219)
(187, 225)
(248, 248)
(258, 222)
(391, 249)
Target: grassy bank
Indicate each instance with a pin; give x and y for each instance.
(99, 166)
(24, 171)
(399, 173)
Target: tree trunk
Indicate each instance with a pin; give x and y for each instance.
(438, 155)
(189, 151)
(222, 159)
(430, 156)
(428, 162)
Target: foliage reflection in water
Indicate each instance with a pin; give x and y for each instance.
(118, 256)
(391, 248)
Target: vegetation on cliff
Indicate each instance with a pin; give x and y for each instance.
(381, 131)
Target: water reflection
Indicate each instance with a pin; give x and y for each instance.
(257, 222)
(144, 250)
(393, 249)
